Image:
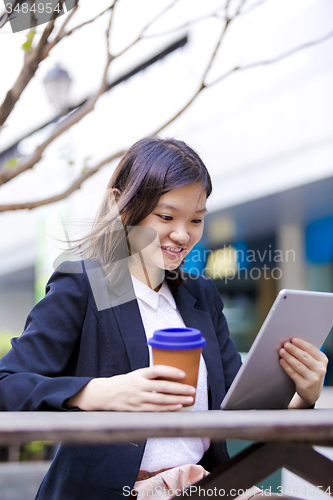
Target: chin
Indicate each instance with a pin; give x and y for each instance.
(172, 267)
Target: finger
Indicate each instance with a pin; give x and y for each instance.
(162, 371)
(167, 399)
(295, 364)
(293, 374)
(166, 387)
(308, 389)
(148, 407)
(291, 351)
(309, 348)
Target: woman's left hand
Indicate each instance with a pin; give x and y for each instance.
(306, 365)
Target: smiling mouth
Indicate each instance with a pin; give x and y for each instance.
(174, 251)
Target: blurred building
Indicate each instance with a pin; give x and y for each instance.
(266, 135)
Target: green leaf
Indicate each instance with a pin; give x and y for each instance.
(11, 163)
(28, 43)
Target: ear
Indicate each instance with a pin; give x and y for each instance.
(116, 193)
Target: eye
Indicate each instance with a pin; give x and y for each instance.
(164, 217)
(197, 221)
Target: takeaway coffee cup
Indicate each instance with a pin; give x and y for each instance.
(181, 348)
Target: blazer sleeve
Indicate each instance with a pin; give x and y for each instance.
(231, 359)
(32, 373)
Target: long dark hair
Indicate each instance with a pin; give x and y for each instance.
(149, 169)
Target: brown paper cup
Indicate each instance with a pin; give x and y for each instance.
(186, 360)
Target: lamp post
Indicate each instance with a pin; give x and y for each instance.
(57, 83)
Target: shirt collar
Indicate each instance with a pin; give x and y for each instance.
(149, 296)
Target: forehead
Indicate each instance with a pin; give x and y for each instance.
(192, 197)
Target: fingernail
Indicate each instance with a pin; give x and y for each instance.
(189, 400)
(192, 390)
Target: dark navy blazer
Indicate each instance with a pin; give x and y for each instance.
(68, 340)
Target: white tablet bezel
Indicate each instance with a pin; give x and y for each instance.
(261, 382)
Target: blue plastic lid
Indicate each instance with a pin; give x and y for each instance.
(177, 339)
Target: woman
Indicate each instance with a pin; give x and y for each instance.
(84, 346)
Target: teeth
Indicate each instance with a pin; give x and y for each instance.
(173, 249)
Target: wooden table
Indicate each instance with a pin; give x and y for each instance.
(284, 438)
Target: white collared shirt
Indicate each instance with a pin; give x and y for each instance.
(159, 310)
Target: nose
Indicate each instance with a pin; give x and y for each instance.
(180, 235)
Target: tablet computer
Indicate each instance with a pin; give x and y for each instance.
(261, 382)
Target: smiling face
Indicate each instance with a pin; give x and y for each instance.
(178, 219)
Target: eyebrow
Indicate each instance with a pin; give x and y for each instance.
(170, 207)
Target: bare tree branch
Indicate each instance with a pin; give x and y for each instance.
(61, 196)
(203, 84)
(185, 25)
(184, 108)
(69, 16)
(62, 33)
(79, 26)
(10, 173)
(216, 50)
(109, 56)
(28, 70)
(206, 71)
(252, 7)
(159, 15)
(150, 23)
(289, 52)
(31, 61)
(7, 174)
(276, 59)
(240, 7)
(4, 18)
(227, 7)
(33, 19)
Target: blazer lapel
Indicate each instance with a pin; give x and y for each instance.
(131, 329)
(202, 320)
(120, 300)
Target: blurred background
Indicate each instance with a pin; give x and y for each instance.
(265, 132)
(247, 83)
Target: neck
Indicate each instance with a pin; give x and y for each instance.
(151, 276)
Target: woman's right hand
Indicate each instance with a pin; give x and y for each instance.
(136, 391)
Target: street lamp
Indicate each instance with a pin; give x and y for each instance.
(57, 83)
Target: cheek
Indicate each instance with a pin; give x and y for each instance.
(195, 238)
(141, 237)
(197, 234)
(162, 235)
